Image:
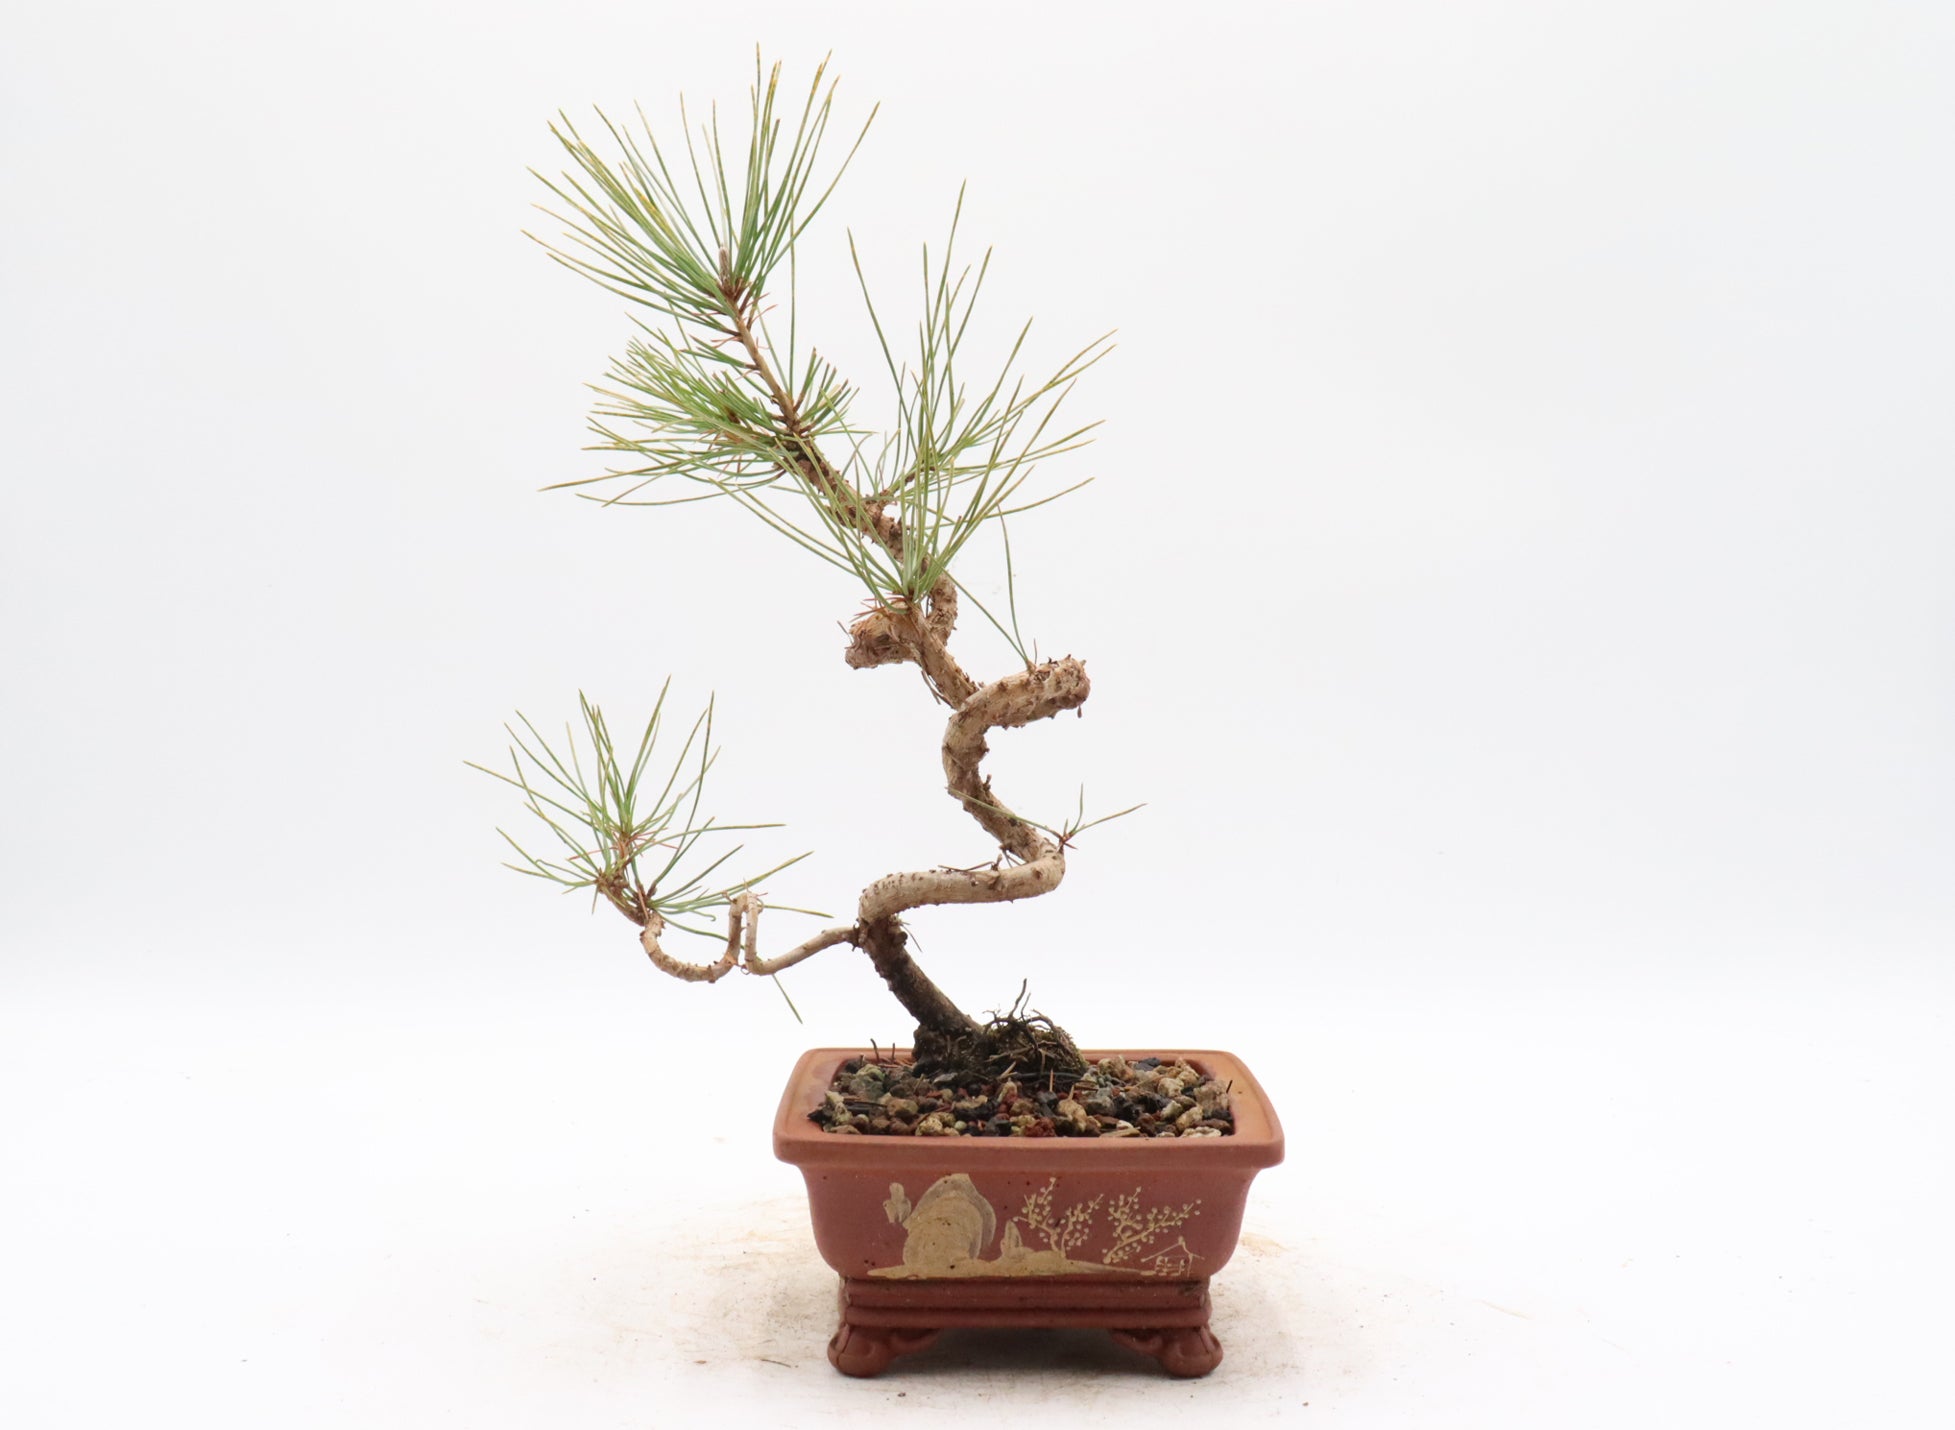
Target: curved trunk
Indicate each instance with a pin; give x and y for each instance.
(936, 1016)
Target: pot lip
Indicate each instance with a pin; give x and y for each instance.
(1256, 1142)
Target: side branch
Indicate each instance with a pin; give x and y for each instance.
(679, 968)
(742, 938)
(743, 914)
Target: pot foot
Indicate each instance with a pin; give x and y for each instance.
(864, 1351)
(1183, 1351)
(1164, 1320)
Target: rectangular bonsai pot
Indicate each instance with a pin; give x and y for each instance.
(1120, 1232)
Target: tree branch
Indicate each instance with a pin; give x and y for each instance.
(743, 913)
(679, 968)
(869, 643)
(742, 936)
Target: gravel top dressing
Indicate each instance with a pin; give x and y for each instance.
(1147, 1097)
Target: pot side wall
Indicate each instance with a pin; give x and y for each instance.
(988, 1208)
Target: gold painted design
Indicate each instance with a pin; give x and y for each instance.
(948, 1228)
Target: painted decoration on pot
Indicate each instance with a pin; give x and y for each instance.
(948, 1229)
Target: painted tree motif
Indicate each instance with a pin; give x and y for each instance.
(1062, 1231)
(1134, 1227)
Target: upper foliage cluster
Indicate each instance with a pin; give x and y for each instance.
(718, 395)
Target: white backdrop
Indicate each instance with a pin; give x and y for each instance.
(1515, 577)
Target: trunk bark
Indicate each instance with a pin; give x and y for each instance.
(888, 949)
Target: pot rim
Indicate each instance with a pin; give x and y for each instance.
(1256, 1142)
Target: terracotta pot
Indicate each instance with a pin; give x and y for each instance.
(933, 1232)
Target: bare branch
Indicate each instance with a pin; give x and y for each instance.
(743, 911)
(678, 968)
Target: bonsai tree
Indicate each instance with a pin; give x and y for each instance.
(719, 397)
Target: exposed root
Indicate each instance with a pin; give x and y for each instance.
(1025, 1045)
